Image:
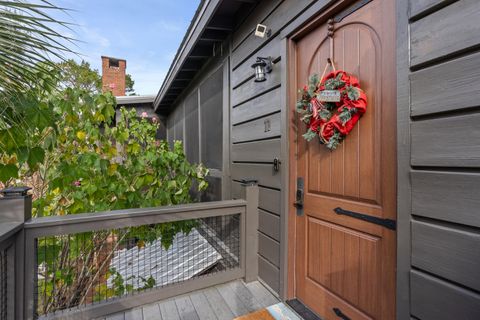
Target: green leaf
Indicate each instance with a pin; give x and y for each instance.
(22, 154)
(40, 118)
(36, 155)
(309, 135)
(353, 93)
(7, 172)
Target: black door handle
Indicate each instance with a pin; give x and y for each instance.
(299, 199)
(340, 314)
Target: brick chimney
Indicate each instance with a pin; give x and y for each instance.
(113, 75)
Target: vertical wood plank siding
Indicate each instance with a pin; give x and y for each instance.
(438, 159)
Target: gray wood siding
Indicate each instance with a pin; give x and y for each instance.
(276, 20)
(262, 105)
(257, 151)
(266, 127)
(269, 224)
(447, 141)
(269, 249)
(463, 82)
(258, 121)
(447, 31)
(438, 159)
(434, 299)
(448, 196)
(433, 249)
(269, 273)
(420, 6)
(263, 173)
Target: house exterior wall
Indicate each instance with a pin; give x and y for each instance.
(256, 123)
(259, 131)
(438, 80)
(438, 150)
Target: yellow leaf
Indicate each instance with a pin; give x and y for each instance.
(81, 135)
(112, 169)
(112, 151)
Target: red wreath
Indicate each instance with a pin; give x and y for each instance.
(331, 121)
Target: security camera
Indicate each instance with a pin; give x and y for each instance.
(262, 31)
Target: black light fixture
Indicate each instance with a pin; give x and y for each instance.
(262, 66)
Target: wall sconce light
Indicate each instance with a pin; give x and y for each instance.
(262, 66)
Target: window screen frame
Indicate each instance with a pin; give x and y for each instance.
(194, 89)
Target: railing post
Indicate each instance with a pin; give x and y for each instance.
(16, 206)
(251, 230)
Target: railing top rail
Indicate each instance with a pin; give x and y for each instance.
(8, 229)
(131, 217)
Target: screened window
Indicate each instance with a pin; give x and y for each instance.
(211, 108)
(170, 124)
(192, 149)
(178, 127)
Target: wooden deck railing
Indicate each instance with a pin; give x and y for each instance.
(89, 265)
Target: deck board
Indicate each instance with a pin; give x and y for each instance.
(169, 310)
(219, 305)
(205, 309)
(134, 314)
(185, 308)
(234, 303)
(151, 312)
(221, 302)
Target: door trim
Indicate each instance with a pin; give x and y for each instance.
(290, 39)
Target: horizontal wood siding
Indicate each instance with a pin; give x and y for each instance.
(259, 129)
(252, 89)
(450, 253)
(428, 86)
(267, 103)
(276, 21)
(439, 160)
(447, 196)
(435, 299)
(447, 141)
(448, 31)
(269, 249)
(421, 6)
(245, 72)
(257, 151)
(270, 200)
(269, 224)
(263, 173)
(269, 273)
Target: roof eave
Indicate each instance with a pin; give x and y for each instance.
(203, 15)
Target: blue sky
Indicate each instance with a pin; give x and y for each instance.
(146, 33)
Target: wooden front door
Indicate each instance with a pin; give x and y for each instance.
(344, 267)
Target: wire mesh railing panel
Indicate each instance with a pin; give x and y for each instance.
(3, 284)
(81, 269)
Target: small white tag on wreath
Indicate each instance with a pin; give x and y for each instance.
(329, 96)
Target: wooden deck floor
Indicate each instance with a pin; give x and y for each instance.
(222, 302)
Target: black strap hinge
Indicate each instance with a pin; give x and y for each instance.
(387, 223)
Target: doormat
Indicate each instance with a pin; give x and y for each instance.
(302, 310)
(278, 311)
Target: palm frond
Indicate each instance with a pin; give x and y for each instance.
(30, 37)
